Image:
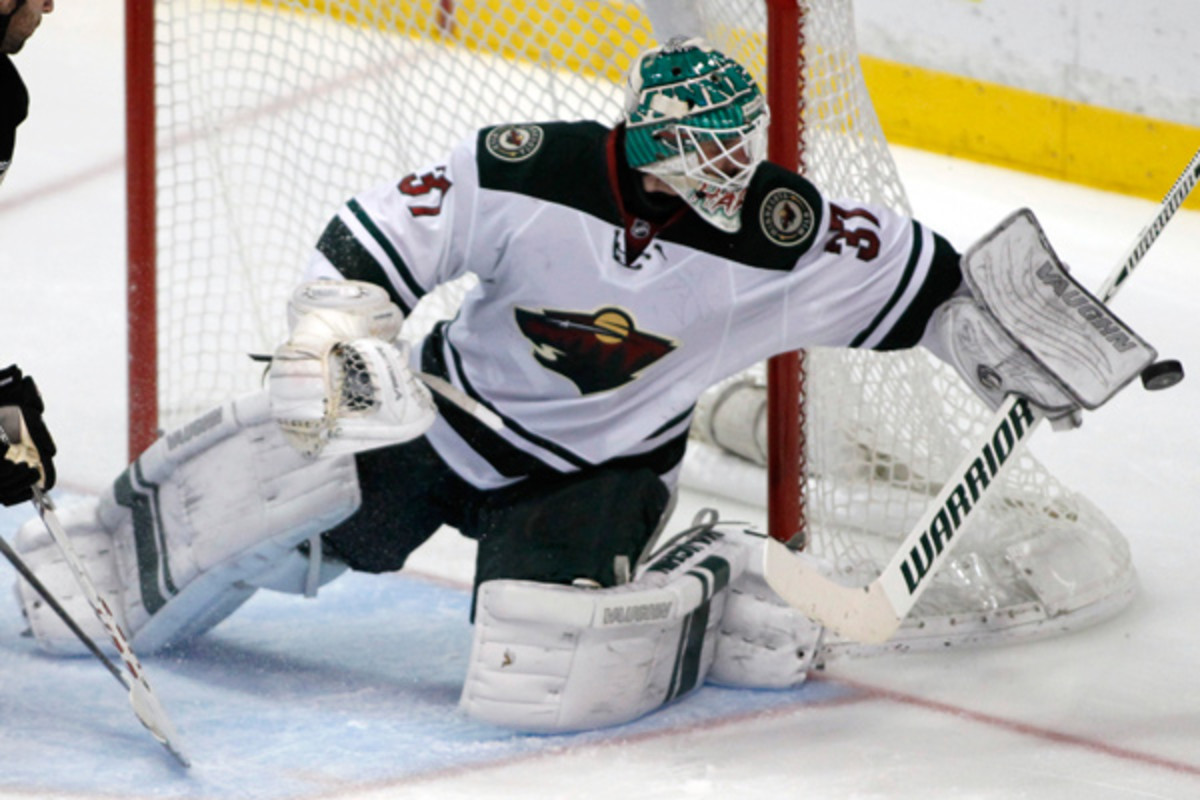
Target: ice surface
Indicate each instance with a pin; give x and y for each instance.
(354, 695)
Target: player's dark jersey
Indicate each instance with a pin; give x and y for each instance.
(601, 313)
(14, 104)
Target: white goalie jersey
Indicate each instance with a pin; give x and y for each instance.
(601, 313)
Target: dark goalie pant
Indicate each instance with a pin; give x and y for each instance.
(552, 528)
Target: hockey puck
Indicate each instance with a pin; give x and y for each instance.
(1162, 375)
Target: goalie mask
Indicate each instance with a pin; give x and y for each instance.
(695, 119)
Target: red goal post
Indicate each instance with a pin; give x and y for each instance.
(251, 121)
(785, 405)
(141, 225)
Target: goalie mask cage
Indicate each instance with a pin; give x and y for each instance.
(250, 122)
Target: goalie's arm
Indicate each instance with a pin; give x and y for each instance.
(872, 613)
(1006, 315)
(407, 236)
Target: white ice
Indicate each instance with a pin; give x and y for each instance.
(353, 695)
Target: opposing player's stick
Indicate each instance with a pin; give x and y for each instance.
(33, 580)
(872, 613)
(148, 718)
(145, 703)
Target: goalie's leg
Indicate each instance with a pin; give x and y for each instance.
(206, 515)
(554, 658)
(407, 494)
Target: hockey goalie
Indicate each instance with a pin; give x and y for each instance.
(621, 272)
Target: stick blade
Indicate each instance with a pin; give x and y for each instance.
(151, 714)
(861, 614)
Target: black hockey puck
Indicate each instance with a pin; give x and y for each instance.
(1162, 374)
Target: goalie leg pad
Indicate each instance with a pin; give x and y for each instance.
(198, 521)
(93, 545)
(549, 658)
(762, 642)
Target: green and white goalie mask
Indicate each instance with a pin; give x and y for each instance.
(695, 119)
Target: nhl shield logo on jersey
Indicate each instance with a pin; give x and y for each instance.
(596, 351)
(786, 217)
(514, 142)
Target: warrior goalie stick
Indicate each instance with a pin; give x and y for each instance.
(872, 613)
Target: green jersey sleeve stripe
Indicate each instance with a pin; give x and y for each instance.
(914, 258)
(393, 255)
(941, 281)
(348, 256)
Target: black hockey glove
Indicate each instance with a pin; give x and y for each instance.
(20, 402)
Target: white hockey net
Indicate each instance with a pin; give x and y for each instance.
(270, 114)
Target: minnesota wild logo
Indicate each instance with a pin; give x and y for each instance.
(514, 142)
(786, 217)
(596, 351)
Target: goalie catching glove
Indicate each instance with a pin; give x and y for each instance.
(341, 382)
(1026, 327)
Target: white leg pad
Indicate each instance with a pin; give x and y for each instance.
(93, 545)
(762, 643)
(208, 513)
(550, 658)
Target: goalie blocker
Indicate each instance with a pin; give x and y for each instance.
(1026, 327)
